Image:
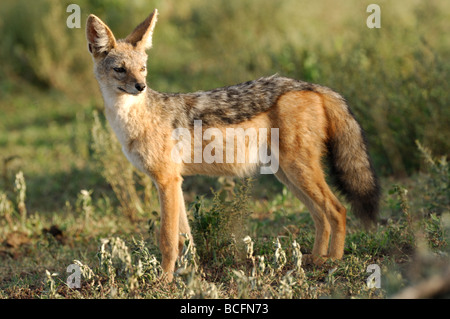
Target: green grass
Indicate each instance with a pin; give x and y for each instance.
(79, 192)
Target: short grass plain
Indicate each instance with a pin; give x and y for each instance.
(68, 195)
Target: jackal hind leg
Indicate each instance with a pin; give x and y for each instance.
(322, 226)
(328, 213)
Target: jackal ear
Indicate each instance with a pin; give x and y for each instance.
(100, 38)
(141, 37)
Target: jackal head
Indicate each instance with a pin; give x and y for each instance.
(120, 65)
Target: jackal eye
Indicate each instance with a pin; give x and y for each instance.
(143, 69)
(119, 70)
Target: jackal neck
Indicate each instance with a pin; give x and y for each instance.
(125, 113)
(113, 100)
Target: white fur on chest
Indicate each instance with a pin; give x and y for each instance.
(121, 114)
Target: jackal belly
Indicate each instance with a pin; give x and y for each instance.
(221, 169)
(220, 152)
(238, 149)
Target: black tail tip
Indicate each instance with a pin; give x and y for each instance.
(366, 208)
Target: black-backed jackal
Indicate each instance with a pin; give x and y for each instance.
(300, 123)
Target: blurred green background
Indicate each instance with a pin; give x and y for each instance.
(396, 78)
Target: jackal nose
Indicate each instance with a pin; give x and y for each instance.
(140, 86)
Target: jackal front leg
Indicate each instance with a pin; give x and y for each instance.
(170, 195)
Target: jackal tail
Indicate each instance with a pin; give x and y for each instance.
(351, 166)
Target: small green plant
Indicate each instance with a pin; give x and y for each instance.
(436, 182)
(278, 276)
(21, 188)
(219, 230)
(6, 210)
(189, 276)
(51, 285)
(435, 232)
(125, 268)
(85, 204)
(15, 213)
(150, 268)
(400, 234)
(86, 272)
(279, 259)
(297, 256)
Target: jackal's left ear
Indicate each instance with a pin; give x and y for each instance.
(141, 37)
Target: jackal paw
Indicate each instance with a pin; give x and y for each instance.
(318, 260)
(309, 259)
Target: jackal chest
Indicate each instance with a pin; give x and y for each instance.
(127, 125)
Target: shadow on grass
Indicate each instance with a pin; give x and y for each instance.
(50, 192)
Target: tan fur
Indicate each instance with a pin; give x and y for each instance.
(307, 116)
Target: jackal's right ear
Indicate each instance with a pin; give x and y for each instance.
(100, 38)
